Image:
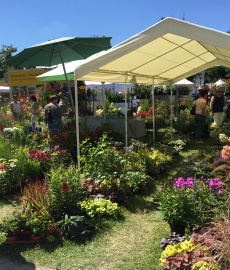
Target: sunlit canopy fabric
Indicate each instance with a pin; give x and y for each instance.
(185, 82)
(168, 51)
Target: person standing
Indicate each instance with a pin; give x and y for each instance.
(56, 114)
(16, 108)
(198, 94)
(34, 109)
(64, 108)
(217, 106)
(200, 114)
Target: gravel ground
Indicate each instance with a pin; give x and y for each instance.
(7, 263)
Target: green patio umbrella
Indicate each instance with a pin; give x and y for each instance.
(58, 51)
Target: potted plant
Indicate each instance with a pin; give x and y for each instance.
(25, 231)
(72, 226)
(10, 227)
(38, 226)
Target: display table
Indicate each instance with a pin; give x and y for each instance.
(136, 126)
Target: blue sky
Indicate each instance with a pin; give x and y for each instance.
(25, 23)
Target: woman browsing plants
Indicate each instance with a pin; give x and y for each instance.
(200, 114)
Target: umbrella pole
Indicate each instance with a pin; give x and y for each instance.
(153, 110)
(126, 115)
(171, 108)
(67, 81)
(103, 91)
(77, 126)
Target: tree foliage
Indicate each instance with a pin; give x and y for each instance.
(218, 72)
(5, 54)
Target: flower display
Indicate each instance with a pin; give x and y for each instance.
(65, 187)
(225, 153)
(215, 184)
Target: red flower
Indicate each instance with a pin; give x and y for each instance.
(65, 187)
(72, 124)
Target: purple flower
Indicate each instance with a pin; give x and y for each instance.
(215, 184)
(181, 183)
(51, 170)
(202, 177)
(40, 129)
(193, 197)
(8, 136)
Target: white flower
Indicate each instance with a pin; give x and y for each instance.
(166, 121)
(12, 165)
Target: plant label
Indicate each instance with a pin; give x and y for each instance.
(56, 147)
(47, 149)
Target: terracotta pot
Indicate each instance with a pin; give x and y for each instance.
(11, 238)
(36, 238)
(25, 234)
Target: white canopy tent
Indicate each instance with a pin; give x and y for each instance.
(162, 54)
(186, 82)
(4, 89)
(219, 82)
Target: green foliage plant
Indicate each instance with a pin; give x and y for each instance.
(35, 197)
(38, 224)
(100, 208)
(189, 206)
(187, 255)
(66, 190)
(101, 162)
(134, 181)
(71, 226)
(9, 226)
(155, 160)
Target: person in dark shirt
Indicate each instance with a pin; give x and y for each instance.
(198, 94)
(56, 113)
(217, 106)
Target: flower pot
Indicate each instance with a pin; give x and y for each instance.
(36, 238)
(90, 229)
(26, 235)
(178, 228)
(11, 238)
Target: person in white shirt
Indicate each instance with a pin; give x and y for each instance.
(16, 108)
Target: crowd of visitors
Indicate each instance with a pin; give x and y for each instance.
(216, 109)
(59, 111)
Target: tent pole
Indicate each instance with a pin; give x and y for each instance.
(171, 107)
(67, 81)
(103, 91)
(126, 115)
(77, 125)
(153, 110)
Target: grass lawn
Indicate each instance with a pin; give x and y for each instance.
(132, 243)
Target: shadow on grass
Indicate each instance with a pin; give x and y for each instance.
(11, 256)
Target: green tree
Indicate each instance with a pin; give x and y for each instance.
(6, 53)
(218, 72)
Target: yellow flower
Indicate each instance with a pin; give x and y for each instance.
(35, 219)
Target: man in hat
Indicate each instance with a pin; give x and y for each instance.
(217, 106)
(198, 94)
(63, 104)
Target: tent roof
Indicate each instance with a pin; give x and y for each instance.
(167, 51)
(219, 82)
(185, 82)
